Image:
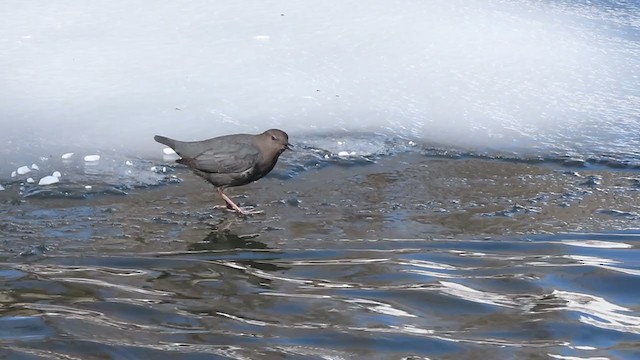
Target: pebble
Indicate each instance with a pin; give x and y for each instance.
(91, 158)
(67, 156)
(48, 180)
(23, 170)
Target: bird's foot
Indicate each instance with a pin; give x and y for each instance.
(239, 210)
(231, 206)
(247, 211)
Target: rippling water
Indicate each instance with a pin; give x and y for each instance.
(407, 255)
(562, 296)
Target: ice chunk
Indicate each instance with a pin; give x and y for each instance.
(23, 170)
(67, 156)
(35, 167)
(56, 174)
(1, 187)
(91, 158)
(48, 180)
(87, 187)
(14, 174)
(153, 168)
(30, 180)
(128, 163)
(168, 151)
(343, 153)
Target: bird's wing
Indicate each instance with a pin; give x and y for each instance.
(234, 158)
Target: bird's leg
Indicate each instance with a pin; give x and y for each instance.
(232, 205)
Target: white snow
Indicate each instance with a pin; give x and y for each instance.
(48, 180)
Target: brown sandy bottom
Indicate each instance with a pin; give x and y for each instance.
(410, 257)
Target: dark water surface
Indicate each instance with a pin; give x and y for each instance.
(407, 257)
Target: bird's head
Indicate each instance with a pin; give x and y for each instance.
(277, 141)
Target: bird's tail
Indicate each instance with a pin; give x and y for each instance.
(165, 140)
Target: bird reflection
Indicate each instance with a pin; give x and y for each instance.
(242, 246)
(226, 240)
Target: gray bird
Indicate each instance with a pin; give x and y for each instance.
(231, 160)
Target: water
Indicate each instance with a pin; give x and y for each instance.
(404, 256)
(464, 183)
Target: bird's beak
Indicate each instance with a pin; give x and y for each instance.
(288, 147)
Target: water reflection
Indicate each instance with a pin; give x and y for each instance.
(224, 239)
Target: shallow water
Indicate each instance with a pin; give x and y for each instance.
(403, 256)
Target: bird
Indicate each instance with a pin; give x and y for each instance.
(231, 160)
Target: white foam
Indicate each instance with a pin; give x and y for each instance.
(48, 180)
(23, 170)
(67, 156)
(597, 244)
(91, 158)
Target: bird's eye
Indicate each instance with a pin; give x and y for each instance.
(273, 138)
